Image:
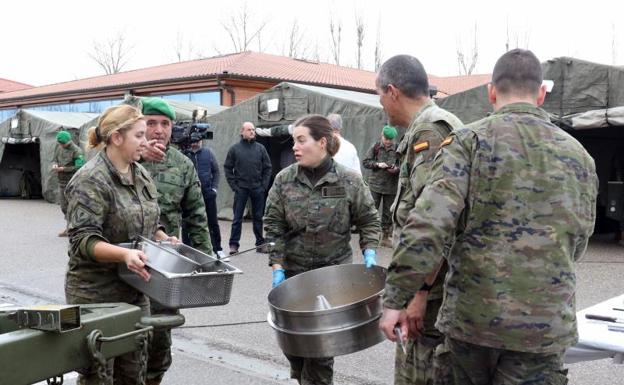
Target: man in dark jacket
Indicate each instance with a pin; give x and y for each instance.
(248, 172)
(209, 175)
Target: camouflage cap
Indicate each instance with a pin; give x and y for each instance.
(157, 106)
(63, 137)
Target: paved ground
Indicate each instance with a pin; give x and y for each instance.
(34, 260)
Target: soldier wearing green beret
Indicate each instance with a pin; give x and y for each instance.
(181, 203)
(403, 89)
(67, 159)
(518, 196)
(383, 161)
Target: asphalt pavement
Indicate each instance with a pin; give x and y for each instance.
(233, 344)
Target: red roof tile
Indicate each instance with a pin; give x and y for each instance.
(9, 85)
(245, 64)
(449, 85)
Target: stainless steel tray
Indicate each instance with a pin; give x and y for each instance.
(181, 277)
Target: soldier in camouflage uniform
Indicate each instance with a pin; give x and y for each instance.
(383, 161)
(181, 203)
(67, 159)
(404, 93)
(112, 199)
(519, 196)
(315, 202)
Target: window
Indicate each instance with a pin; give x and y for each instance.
(93, 106)
(208, 98)
(6, 113)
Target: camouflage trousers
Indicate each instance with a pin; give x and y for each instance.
(480, 365)
(62, 182)
(122, 370)
(385, 211)
(312, 371)
(159, 356)
(427, 360)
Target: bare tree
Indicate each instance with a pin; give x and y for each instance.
(243, 30)
(335, 31)
(515, 37)
(296, 48)
(467, 61)
(359, 38)
(184, 50)
(111, 54)
(378, 53)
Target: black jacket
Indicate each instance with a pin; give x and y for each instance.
(247, 165)
(207, 170)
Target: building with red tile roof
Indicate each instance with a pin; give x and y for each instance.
(227, 79)
(10, 85)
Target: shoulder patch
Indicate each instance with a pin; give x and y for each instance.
(447, 141)
(421, 146)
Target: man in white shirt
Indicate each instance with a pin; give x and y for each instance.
(347, 154)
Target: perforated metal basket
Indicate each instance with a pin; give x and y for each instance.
(181, 277)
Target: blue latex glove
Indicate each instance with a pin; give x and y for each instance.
(370, 257)
(278, 276)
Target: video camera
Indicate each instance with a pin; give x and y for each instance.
(185, 132)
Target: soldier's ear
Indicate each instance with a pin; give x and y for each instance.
(117, 138)
(491, 93)
(541, 95)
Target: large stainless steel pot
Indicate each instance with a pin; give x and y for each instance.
(329, 311)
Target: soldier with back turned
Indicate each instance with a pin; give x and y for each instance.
(518, 195)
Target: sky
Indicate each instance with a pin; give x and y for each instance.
(45, 42)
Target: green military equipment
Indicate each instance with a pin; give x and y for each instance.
(55, 318)
(29, 355)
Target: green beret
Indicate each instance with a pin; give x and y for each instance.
(63, 137)
(157, 106)
(389, 132)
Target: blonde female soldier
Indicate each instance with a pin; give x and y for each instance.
(112, 199)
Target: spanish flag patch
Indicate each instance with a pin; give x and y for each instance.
(421, 146)
(447, 141)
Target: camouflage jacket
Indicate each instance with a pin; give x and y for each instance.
(102, 204)
(180, 198)
(417, 148)
(381, 180)
(70, 158)
(519, 196)
(312, 224)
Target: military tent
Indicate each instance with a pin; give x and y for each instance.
(587, 100)
(363, 118)
(27, 143)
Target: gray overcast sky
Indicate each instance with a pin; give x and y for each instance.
(45, 42)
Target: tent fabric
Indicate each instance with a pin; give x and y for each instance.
(579, 87)
(41, 128)
(587, 100)
(362, 115)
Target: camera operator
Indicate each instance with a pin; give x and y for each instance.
(208, 171)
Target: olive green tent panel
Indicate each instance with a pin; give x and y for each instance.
(27, 144)
(587, 100)
(363, 118)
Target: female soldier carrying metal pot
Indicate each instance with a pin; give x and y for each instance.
(316, 201)
(112, 199)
